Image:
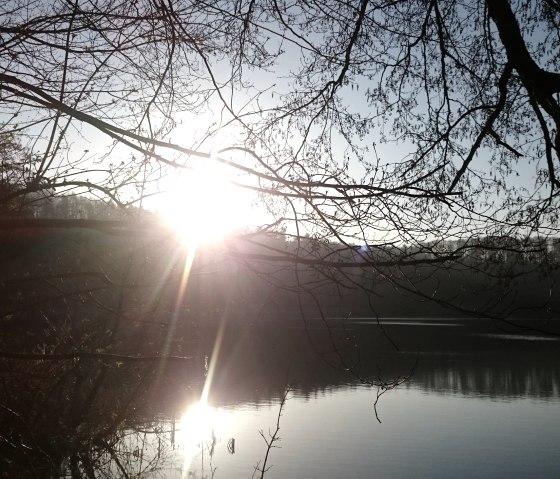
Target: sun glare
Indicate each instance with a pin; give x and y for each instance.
(202, 206)
(200, 430)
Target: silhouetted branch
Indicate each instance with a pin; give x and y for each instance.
(272, 439)
(90, 355)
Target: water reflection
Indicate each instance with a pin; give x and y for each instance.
(91, 418)
(200, 430)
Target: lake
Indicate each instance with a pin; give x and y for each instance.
(481, 399)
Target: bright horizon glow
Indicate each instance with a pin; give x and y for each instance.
(203, 206)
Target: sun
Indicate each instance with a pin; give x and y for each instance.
(203, 205)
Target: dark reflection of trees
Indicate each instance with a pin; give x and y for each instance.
(256, 362)
(499, 377)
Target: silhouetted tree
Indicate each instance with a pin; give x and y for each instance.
(385, 124)
(16, 169)
(400, 139)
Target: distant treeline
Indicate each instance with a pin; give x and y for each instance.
(482, 249)
(90, 274)
(68, 207)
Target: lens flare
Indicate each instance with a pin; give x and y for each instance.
(203, 426)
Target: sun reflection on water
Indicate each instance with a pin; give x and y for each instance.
(202, 426)
(201, 429)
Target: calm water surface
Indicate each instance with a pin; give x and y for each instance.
(479, 403)
(335, 434)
